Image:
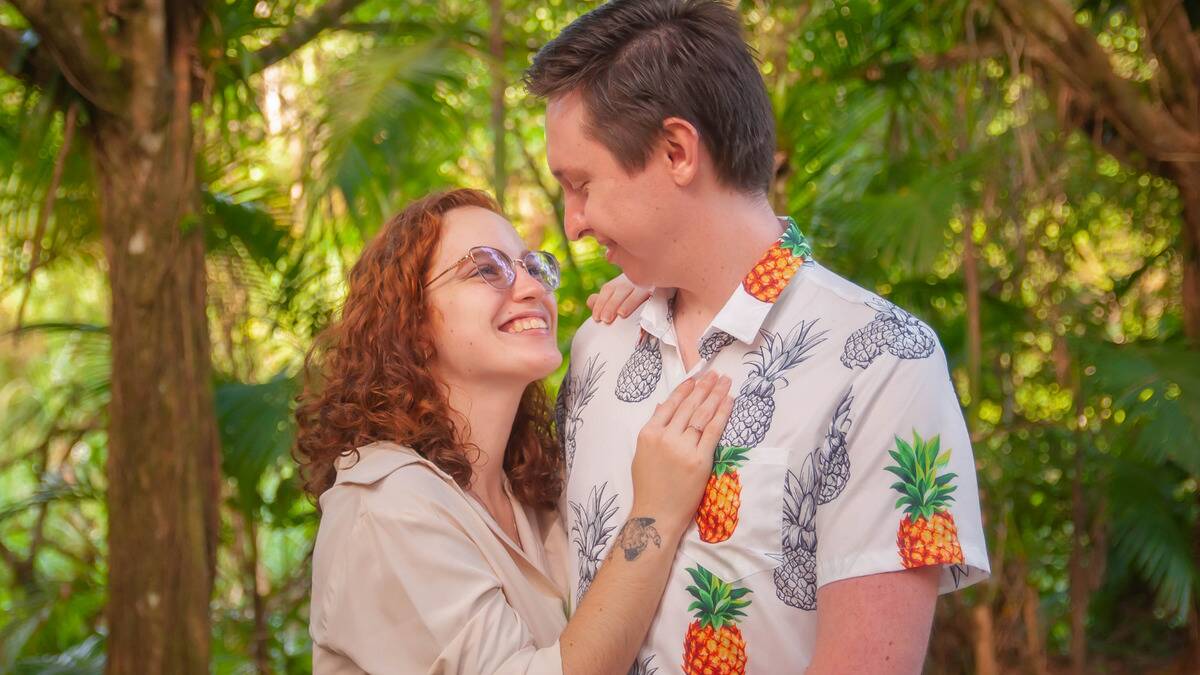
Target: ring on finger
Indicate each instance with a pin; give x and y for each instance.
(695, 428)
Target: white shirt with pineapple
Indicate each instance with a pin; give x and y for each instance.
(846, 455)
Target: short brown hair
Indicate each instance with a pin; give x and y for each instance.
(641, 61)
(369, 377)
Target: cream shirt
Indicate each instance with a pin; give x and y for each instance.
(412, 575)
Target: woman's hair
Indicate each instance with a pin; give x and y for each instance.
(368, 377)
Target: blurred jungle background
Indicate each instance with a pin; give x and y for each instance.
(184, 185)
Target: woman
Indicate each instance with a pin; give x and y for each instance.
(426, 437)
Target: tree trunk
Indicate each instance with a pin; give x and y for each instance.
(258, 592)
(1034, 649)
(1188, 180)
(163, 453)
(985, 640)
(1079, 576)
(499, 84)
(974, 322)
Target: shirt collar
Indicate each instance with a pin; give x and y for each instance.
(375, 461)
(746, 310)
(381, 458)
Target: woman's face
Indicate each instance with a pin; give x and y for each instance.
(484, 334)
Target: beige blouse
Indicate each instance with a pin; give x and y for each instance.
(411, 575)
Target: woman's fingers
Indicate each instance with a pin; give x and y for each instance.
(708, 407)
(683, 413)
(716, 425)
(666, 410)
(632, 300)
(617, 297)
(598, 300)
(613, 303)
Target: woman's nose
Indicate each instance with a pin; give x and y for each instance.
(525, 287)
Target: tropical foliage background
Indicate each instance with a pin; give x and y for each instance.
(1023, 175)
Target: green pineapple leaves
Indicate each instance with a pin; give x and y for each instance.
(717, 603)
(923, 492)
(727, 458)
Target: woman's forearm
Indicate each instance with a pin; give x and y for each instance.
(607, 630)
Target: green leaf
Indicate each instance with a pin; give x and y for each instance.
(256, 427)
(1151, 529)
(85, 658)
(1162, 423)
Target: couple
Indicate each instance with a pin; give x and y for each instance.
(763, 469)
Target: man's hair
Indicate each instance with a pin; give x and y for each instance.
(638, 62)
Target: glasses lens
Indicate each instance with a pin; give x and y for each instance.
(543, 266)
(495, 267)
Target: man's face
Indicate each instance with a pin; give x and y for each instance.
(628, 214)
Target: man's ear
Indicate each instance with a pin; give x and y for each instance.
(681, 149)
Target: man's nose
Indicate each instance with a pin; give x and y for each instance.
(573, 223)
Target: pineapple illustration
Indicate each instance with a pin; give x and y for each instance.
(640, 374)
(754, 406)
(958, 573)
(796, 576)
(927, 534)
(892, 329)
(713, 343)
(590, 533)
(643, 667)
(771, 274)
(717, 516)
(714, 643)
(574, 394)
(834, 457)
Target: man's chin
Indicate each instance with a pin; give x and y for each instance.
(637, 275)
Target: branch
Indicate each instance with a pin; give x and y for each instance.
(555, 198)
(987, 47)
(1071, 53)
(1169, 38)
(72, 34)
(301, 32)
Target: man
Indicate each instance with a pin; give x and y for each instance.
(843, 497)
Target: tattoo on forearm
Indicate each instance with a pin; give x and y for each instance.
(635, 535)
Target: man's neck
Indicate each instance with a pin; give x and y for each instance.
(729, 237)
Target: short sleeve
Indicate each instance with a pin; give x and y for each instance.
(415, 591)
(911, 499)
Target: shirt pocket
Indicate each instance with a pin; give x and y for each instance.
(738, 529)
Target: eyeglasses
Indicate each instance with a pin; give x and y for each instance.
(496, 268)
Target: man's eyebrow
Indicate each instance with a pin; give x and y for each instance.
(568, 174)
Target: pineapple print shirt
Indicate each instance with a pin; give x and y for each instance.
(846, 455)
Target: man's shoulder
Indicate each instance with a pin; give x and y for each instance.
(863, 327)
(830, 288)
(594, 337)
(841, 301)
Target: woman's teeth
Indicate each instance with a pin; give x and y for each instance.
(522, 325)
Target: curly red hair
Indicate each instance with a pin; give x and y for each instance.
(368, 375)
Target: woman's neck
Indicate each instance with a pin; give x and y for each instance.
(484, 415)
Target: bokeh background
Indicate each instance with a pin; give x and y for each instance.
(178, 214)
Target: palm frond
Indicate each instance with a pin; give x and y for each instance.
(1151, 531)
(387, 128)
(256, 430)
(85, 658)
(1159, 385)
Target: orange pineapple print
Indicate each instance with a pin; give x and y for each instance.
(717, 517)
(714, 643)
(927, 534)
(770, 275)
